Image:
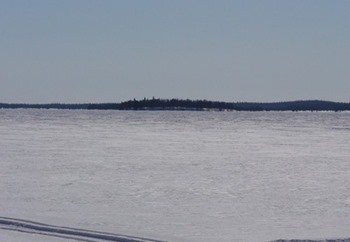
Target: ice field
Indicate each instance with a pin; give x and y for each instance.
(177, 176)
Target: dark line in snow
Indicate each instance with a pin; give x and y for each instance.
(47, 234)
(21, 225)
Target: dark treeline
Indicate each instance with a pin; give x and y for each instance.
(104, 106)
(173, 104)
(44, 106)
(199, 105)
(180, 104)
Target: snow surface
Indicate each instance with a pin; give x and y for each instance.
(13, 236)
(178, 176)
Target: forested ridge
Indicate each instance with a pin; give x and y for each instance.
(195, 105)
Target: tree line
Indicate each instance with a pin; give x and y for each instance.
(195, 105)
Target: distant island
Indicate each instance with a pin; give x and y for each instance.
(194, 105)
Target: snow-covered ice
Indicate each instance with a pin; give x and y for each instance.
(178, 176)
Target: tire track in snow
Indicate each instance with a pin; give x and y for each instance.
(46, 234)
(27, 226)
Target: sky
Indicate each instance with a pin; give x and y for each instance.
(113, 50)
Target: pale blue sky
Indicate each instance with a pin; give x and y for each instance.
(110, 50)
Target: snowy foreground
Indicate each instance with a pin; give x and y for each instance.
(15, 230)
(322, 240)
(173, 176)
(12, 236)
(23, 230)
(35, 228)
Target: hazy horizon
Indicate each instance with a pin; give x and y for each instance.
(81, 51)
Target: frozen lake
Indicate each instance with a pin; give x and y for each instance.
(178, 176)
